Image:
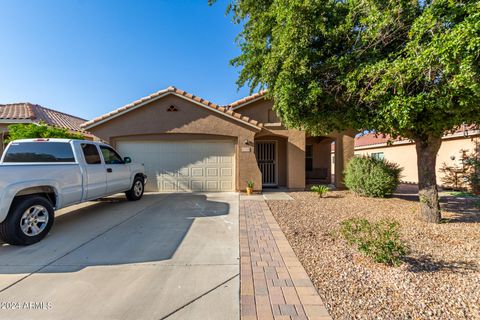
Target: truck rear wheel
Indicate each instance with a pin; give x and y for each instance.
(29, 220)
(136, 192)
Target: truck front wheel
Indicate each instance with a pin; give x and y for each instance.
(136, 192)
(29, 221)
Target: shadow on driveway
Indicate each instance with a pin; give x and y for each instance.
(113, 231)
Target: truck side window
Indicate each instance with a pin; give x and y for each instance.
(91, 153)
(110, 156)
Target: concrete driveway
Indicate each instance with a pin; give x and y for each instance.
(167, 256)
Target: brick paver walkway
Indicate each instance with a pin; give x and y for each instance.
(273, 283)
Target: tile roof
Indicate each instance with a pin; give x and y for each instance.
(372, 138)
(172, 90)
(16, 111)
(246, 100)
(36, 113)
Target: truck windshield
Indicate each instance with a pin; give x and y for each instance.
(39, 152)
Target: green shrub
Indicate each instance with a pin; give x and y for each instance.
(380, 240)
(321, 190)
(31, 131)
(372, 177)
(250, 184)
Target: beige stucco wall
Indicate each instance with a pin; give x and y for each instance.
(190, 119)
(405, 155)
(291, 172)
(259, 110)
(344, 151)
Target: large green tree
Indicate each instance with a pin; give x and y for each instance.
(404, 67)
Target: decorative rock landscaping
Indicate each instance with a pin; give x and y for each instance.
(439, 278)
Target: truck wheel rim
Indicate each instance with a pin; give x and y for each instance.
(138, 188)
(34, 220)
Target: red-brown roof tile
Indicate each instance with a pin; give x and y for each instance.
(371, 139)
(16, 111)
(246, 100)
(36, 113)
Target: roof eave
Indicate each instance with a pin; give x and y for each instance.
(113, 115)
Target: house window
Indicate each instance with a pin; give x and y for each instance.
(378, 155)
(309, 158)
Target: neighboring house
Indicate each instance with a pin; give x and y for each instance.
(402, 151)
(191, 144)
(16, 113)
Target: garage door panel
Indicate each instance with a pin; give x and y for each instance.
(226, 159)
(212, 186)
(184, 172)
(212, 172)
(168, 185)
(183, 185)
(226, 185)
(184, 166)
(226, 172)
(197, 172)
(197, 186)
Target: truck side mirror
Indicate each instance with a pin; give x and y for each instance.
(127, 160)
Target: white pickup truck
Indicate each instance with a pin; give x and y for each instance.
(38, 176)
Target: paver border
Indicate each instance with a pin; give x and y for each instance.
(273, 282)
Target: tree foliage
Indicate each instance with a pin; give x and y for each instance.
(31, 130)
(408, 68)
(403, 67)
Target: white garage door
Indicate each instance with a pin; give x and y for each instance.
(184, 166)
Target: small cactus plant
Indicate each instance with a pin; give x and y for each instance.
(321, 190)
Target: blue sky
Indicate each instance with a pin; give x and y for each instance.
(88, 57)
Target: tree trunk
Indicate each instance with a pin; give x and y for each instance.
(427, 149)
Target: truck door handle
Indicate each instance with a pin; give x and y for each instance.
(109, 170)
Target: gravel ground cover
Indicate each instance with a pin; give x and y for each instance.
(439, 279)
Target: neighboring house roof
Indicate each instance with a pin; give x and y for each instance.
(34, 113)
(372, 138)
(179, 93)
(377, 139)
(247, 100)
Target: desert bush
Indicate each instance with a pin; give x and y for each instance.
(372, 177)
(379, 241)
(321, 190)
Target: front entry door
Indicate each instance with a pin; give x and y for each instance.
(266, 152)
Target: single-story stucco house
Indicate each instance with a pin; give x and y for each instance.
(190, 144)
(465, 140)
(16, 113)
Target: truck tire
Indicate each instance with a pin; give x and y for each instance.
(136, 192)
(29, 220)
